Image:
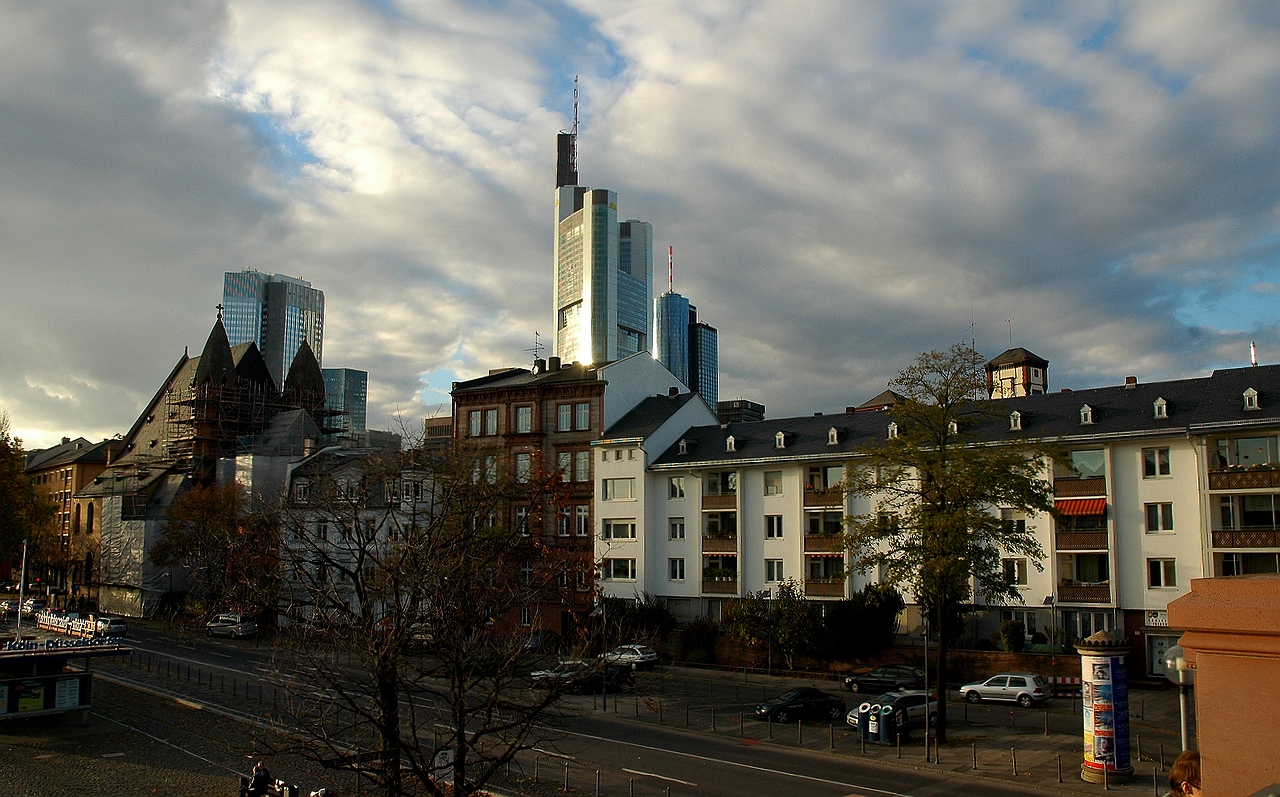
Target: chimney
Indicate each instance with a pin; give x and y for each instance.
(553, 363)
(1130, 382)
(66, 440)
(539, 365)
(673, 391)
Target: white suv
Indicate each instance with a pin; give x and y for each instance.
(230, 624)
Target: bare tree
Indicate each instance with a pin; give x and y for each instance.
(408, 584)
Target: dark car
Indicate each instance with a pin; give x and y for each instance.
(886, 678)
(911, 703)
(801, 704)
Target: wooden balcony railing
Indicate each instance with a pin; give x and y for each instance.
(824, 588)
(1242, 479)
(1267, 537)
(721, 544)
(713, 502)
(720, 587)
(823, 543)
(1079, 486)
(1081, 540)
(1084, 593)
(831, 497)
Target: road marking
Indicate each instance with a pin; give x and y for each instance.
(554, 754)
(659, 777)
(752, 767)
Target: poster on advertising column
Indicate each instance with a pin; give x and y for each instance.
(1105, 712)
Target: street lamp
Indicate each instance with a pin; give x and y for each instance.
(1178, 671)
(1052, 602)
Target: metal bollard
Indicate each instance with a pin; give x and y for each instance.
(637, 702)
(899, 744)
(659, 712)
(1162, 756)
(686, 715)
(831, 743)
(742, 723)
(1139, 738)
(597, 783)
(566, 777)
(975, 755)
(1155, 781)
(769, 722)
(631, 787)
(1059, 767)
(713, 718)
(1106, 785)
(1013, 753)
(800, 731)
(1046, 722)
(536, 761)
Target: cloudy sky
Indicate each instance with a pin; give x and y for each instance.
(846, 184)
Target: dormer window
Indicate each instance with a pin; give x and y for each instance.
(1086, 415)
(780, 440)
(953, 427)
(1161, 408)
(301, 491)
(730, 444)
(683, 447)
(833, 437)
(893, 431)
(1251, 399)
(1015, 421)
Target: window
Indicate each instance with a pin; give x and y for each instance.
(582, 416)
(1015, 571)
(617, 489)
(524, 466)
(825, 477)
(825, 568)
(722, 483)
(773, 570)
(1161, 573)
(780, 440)
(564, 461)
(675, 569)
(301, 492)
(1015, 421)
(1025, 616)
(773, 482)
(1014, 522)
(582, 520)
(833, 437)
(526, 616)
(473, 423)
(582, 466)
(675, 487)
(1159, 518)
(773, 527)
(1155, 462)
(491, 470)
(1086, 415)
(619, 530)
(893, 431)
(1241, 564)
(730, 444)
(521, 519)
(1090, 463)
(524, 419)
(562, 522)
(826, 523)
(721, 525)
(1161, 408)
(564, 417)
(1244, 452)
(620, 569)
(491, 422)
(1251, 399)
(526, 573)
(675, 528)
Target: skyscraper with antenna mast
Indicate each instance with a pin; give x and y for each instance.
(603, 268)
(687, 347)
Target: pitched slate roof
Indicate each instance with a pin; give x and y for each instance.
(647, 416)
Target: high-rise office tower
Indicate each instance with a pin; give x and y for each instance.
(603, 269)
(346, 393)
(687, 347)
(274, 311)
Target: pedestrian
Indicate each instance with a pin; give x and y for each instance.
(1184, 775)
(260, 783)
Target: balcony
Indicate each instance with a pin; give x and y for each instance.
(1081, 540)
(824, 588)
(720, 586)
(823, 543)
(1084, 593)
(1079, 486)
(722, 543)
(714, 502)
(1259, 478)
(1254, 537)
(830, 497)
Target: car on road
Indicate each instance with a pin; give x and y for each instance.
(31, 607)
(8, 606)
(913, 702)
(638, 657)
(885, 678)
(233, 625)
(111, 626)
(801, 704)
(560, 675)
(1024, 688)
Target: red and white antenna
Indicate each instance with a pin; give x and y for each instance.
(671, 268)
(1253, 353)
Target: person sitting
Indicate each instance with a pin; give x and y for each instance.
(260, 783)
(1184, 775)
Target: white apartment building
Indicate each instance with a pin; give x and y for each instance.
(1161, 483)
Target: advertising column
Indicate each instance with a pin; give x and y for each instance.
(1105, 707)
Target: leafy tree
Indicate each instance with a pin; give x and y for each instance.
(936, 489)
(794, 621)
(747, 620)
(24, 513)
(411, 585)
(865, 623)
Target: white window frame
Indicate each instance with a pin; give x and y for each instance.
(612, 566)
(1017, 566)
(1155, 463)
(773, 527)
(618, 529)
(1162, 573)
(1159, 517)
(582, 466)
(773, 482)
(582, 416)
(675, 569)
(564, 417)
(675, 528)
(623, 489)
(773, 570)
(675, 487)
(524, 419)
(582, 520)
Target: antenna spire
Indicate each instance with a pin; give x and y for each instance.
(671, 269)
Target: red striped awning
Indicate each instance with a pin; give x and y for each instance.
(1081, 507)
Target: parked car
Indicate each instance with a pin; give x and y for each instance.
(560, 675)
(111, 626)
(800, 704)
(233, 625)
(638, 657)
(912, 702)
(31, 607)
(8, 606)
(885, 678)
(1024, 688)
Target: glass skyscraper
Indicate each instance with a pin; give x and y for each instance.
(276, 312)
(686, 346)
(603, 271)
(346, 392)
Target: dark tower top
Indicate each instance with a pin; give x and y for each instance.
(566, 159)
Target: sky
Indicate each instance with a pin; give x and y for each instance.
(845, 185)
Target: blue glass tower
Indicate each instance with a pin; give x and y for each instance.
(346, 392)
(276, 312)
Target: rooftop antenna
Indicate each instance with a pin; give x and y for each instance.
(537, 347)
(573, 155)
(1009, 321)
(671, 269)
(1253, 353)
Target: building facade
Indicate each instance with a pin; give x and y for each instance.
(60, 472)
(346, 392)
(276, 312)
(602, 271)
(686, 346)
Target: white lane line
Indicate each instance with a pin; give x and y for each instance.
(554, 754)
(751, 767)
(659, 777)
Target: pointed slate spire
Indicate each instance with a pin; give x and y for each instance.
(217, 366)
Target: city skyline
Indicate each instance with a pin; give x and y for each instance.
(851, 186)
